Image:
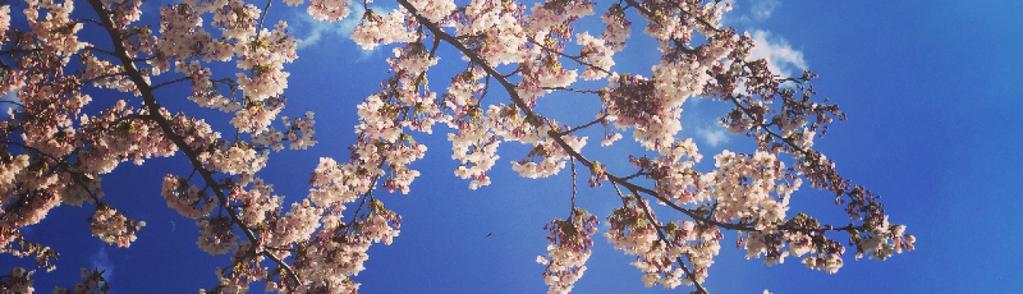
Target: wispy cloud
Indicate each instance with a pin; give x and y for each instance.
(101, 261)
(781, 58)
(713, 136)
(761, 10)
(758, 11)
(311, 32)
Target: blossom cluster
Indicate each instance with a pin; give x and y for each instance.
(597, 54)
(569, 248)
(258, 201)
(634, 231)
(189, 201)
(325, 10)
(215, 236)
(550, 157)
(750, 188)
(112, 227)
(376, 30)
(238, 159)
(475, 147)
(674, 175)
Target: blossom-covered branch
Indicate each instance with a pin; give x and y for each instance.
(55, 151)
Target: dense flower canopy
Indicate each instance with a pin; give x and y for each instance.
(59, 140)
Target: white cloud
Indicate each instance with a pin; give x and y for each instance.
(713, 137)
(310, 31)
(761, 10)
(101, 261)
(781, 58)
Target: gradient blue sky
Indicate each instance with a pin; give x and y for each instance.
(932, 90)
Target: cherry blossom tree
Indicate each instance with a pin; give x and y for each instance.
(59, 140)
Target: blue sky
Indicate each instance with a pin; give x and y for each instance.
(932, 89)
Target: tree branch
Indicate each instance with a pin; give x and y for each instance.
(154, 115)
(537, 121)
